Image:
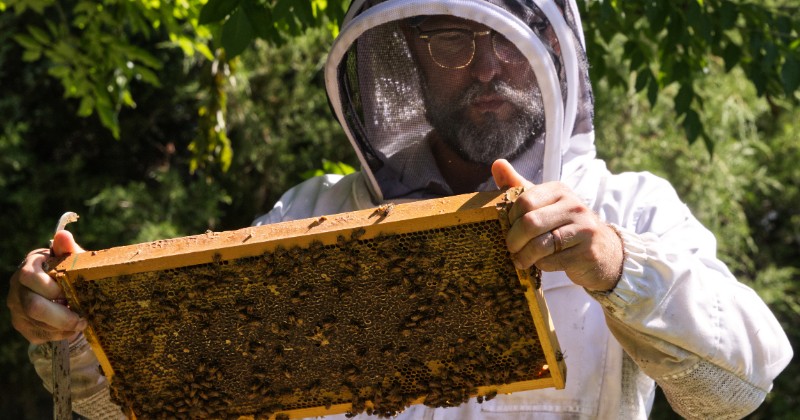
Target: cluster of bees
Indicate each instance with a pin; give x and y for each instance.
(375, 322)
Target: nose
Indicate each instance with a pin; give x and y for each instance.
(485, 65)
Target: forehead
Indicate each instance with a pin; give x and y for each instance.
(448, 22)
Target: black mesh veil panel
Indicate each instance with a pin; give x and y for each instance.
(430, 93)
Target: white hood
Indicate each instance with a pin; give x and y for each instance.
(375, 90)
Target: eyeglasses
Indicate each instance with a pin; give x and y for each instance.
(455, 48)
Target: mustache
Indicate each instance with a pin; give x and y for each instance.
(520, 98)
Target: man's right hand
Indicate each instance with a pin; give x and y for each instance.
(33, 297)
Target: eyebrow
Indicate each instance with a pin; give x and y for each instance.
(460, 25)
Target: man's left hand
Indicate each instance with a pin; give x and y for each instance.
(553, 229)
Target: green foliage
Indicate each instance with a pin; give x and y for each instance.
(281, 125)
(125, 191)
(100, 51)
(92, 48)
(243, 21)
(328, 167)
(674, 43)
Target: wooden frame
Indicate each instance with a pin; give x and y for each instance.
(145, 264)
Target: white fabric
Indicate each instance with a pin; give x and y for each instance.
(677, 306)
(88, 388)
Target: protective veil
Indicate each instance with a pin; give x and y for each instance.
(389, 104)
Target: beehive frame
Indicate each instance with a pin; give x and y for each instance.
(214, 324)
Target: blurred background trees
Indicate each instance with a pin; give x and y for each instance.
(156, 119)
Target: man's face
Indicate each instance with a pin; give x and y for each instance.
(486, 109)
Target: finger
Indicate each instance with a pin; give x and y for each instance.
(543, 246)
(535, 223)
(505, 176)
(54, 315)
(536, 197)
(574, 258)
(534, 250)
(64, 244)
(33, 276)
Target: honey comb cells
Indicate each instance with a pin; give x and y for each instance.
(360, 319)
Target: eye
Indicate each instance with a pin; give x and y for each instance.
(452, 36)
(539, 24)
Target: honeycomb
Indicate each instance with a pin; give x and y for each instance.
(359, 319)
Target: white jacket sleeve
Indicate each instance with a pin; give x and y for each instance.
(709, 341)
(89, 388)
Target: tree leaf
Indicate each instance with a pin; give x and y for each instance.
(86, 107)
(31, 55)
(652, 92)
(108, 117)
(135, 53)
(39, 34)
(757, 77)
(697, 20)
(708, 141)
(304, 11)
(643, 78)
(656, 15)
(225, 151)
(237, 33)
(729, 13)
(684, 98)
(205, 51)
(261, 20)
(692, 126)
(216, 10)
(731, 54)
(637, 60)
(147, 75)
(790, 75)
(127, 98)
(784, 24)
(286, 16)
(27, 42)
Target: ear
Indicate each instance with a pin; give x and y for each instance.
(505, 176)
(64, 244)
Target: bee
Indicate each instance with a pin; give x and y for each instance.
(357, 233)
(386, 350)
(317, 222)
(384, 210)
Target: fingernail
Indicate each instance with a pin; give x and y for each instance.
(517, 264)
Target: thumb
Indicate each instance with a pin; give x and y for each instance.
(505, 176)
(64, 244)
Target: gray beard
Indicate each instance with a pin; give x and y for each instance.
(492, 139)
